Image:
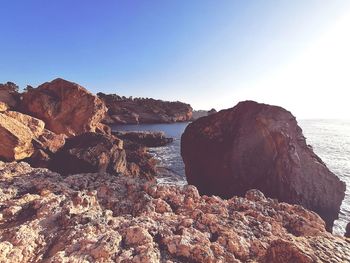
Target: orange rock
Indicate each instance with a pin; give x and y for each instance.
(65, 107)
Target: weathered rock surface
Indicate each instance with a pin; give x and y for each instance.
(259, 146)
(148, 139)
(45, 217)
(65, 107)
(123, 110)
(90, 152)
(9, 94)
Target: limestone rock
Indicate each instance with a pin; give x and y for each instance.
(65, 107)
(46, 217)
(259, 146)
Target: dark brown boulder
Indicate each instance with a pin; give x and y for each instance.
(65, 107)
(347, 231)
(90, 152)
(258, 146)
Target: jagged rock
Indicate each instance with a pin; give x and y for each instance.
(259, 146)
(148, 139)
(90, 152)
(45, 217)
(65, 107)
(9, 94)
(139, 110)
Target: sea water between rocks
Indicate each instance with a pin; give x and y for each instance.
(330, 140)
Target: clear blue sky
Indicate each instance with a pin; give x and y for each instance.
(207, 53)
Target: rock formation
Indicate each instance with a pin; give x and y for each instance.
(9, 94)
(123, 110)
(148, 139)
(90, 152)
(65, 107)
(259, 146)
(45, 217)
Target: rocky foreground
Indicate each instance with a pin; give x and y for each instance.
(100, 217)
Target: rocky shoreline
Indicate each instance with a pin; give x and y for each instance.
(90, 195)
(122, 110)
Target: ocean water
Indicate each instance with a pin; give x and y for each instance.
(330, 140)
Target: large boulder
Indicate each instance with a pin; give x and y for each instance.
(259, 146)
(65, 107)
(90, 152)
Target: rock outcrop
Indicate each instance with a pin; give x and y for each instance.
(90, 152)
(9, 94)
(147, 139)
(123, 110)
(259, 146)
(65, 107)
(45, 217)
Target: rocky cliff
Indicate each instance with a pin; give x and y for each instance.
(259, 146)
(123, 110)
(45, 217)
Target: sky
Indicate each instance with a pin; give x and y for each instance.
(211, 54)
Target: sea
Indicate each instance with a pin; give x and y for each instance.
(330, 140)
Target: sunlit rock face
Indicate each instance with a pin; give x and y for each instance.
(99, 217)
(65, 107)
(259, 146)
